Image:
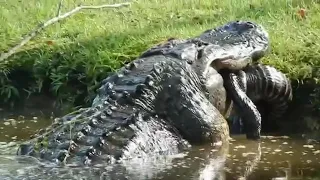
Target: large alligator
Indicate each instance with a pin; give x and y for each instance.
(167, 99)
(208, 162)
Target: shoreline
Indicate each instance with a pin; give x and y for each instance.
(65, 63)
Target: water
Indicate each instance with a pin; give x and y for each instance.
(15, 127)
(275, 157)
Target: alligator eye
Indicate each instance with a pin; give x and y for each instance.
(250, 25)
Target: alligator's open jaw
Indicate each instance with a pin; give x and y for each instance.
(235, 45)
(230, 63)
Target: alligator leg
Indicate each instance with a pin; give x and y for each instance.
(181, 101)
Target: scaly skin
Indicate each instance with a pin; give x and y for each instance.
(259, 83)
(237, 39)
(167, 99)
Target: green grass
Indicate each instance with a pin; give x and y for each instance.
(88, 45)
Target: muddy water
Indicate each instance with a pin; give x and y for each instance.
(272, 158)
(19, 127)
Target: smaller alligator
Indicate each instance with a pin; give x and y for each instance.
(254, 84)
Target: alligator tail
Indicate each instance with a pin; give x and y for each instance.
(244, 105)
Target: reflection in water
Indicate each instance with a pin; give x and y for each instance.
(272, 158)
(280, 157)
(252, 160)
(213, 170)
(13, 128)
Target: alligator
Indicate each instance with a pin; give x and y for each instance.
(263, 90)
(168, 99)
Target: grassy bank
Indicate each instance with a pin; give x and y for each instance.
(68, 60)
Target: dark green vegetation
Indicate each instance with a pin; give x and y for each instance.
(69, 59)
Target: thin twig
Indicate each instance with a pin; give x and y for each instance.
(42, 26)
(59, 8)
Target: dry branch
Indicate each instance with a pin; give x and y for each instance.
(59, 17)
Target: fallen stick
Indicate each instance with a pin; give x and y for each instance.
(59, 17)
